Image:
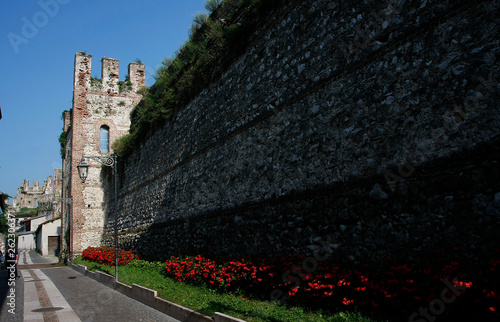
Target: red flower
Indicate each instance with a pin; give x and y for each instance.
(345, 301)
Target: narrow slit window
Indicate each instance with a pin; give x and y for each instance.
(104, 147)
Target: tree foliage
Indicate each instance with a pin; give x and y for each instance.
(4, 224)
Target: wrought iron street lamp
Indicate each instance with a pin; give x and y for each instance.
(83, 172)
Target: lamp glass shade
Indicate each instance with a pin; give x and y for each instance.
(83, 170)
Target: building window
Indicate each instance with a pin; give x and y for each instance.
(104, 147)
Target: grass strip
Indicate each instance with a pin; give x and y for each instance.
(208, 301)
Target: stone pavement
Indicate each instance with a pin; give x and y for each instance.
(50, 292)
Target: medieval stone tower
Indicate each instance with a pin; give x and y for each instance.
(100, 115)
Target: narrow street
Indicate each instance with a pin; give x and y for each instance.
(47, 291)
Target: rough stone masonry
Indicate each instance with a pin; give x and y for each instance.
(368, 125)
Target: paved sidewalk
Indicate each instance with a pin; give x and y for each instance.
(42, 299)
(58, 293)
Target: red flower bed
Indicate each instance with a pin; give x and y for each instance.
(106, 255)
(220, 274)
(393, 286)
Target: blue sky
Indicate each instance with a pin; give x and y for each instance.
(38, 42)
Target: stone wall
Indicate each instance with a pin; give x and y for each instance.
(371, 126)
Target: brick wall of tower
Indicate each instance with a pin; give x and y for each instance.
(97, 102)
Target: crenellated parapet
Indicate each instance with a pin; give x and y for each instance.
(110, 76)
(137, 75)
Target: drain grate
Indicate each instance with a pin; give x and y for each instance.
(48, 309)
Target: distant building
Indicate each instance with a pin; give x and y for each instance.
(37, 229)
(48, 237)
(26, 240)
(29, 196)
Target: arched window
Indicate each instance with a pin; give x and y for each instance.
(104, 146)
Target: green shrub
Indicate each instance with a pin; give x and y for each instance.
(215, 41)
(62, 141)
(139, 263)
(212, 5)
(28, 212)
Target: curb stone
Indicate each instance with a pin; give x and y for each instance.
(149, 297)
(219, 317)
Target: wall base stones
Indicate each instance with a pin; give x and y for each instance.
(454, 202)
